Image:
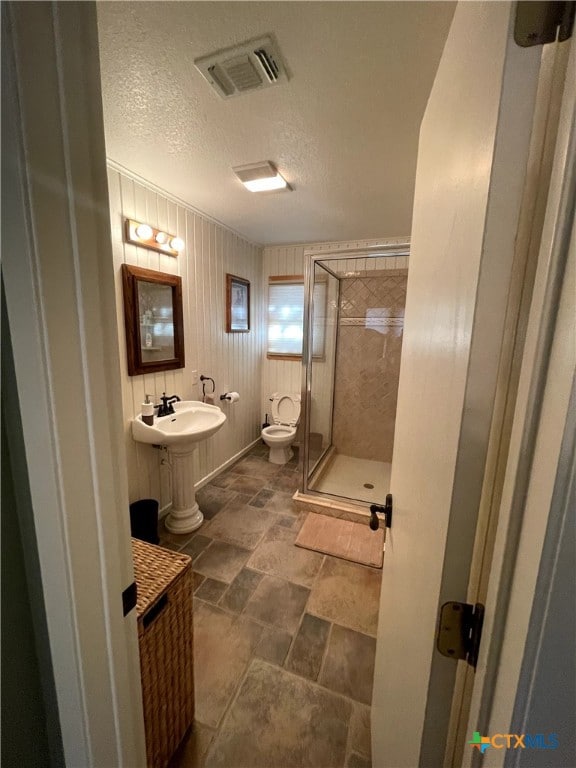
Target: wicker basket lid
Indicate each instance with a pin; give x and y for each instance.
(155, 568)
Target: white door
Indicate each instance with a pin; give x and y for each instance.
(471, 173)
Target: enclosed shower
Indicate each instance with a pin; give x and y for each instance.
(354, 319)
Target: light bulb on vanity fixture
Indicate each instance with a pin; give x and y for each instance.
(177, 244)
(144, 231)
(161, 238)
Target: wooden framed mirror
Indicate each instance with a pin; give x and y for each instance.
(153, 320)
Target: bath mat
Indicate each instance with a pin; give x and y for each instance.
(341, 538)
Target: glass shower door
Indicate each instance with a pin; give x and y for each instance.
(355, 320)
(322, 336)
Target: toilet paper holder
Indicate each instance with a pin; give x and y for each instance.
(232, 396)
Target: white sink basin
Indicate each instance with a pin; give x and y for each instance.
(191, 422)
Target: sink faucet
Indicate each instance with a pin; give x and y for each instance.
(166, 408)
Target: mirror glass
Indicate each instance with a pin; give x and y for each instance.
(156, 321)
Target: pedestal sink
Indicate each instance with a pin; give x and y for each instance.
(181, 431)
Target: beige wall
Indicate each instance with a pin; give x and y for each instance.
(233, 360)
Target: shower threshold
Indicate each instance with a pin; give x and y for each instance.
(344, 487)
(332, 507)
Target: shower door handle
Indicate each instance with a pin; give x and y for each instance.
(386, 510)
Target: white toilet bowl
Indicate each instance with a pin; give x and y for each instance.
(280, 435)
(280, 440)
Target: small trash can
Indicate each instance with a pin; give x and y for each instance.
(144, 520)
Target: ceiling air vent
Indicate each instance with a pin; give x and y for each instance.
(248, 67)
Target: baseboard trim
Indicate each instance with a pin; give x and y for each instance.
(228, 463)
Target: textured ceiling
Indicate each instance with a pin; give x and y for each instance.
(343, 130)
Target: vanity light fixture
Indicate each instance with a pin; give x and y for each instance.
(261, 177)
(145, 236)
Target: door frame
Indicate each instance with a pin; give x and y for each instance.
(538, 194)
(60, 299)
(533, 475)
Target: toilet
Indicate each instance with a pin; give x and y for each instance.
(280, 435)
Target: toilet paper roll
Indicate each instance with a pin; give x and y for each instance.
(233, 397)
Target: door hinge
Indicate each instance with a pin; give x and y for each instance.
(460, 630)
(538, 23)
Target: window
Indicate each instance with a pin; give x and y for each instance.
(286, 317)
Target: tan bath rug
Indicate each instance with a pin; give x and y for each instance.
(341, 538)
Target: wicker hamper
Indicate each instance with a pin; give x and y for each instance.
(164, 609)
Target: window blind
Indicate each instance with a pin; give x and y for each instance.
(286, 318)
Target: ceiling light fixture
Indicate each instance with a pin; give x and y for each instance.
(261, 177)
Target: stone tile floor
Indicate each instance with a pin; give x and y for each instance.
(284, 638)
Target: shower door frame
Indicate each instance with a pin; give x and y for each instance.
(385, 250)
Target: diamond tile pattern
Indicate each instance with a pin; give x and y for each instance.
(361, 293)
(368, 367)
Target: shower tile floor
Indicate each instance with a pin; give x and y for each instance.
(348, 476)
(284, 638)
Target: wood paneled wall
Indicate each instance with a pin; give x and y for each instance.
(234, 361)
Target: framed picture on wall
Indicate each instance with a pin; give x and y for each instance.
(237, 304)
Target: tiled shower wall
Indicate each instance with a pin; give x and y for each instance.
(234, 361)
(286, 375)
(368, 363)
